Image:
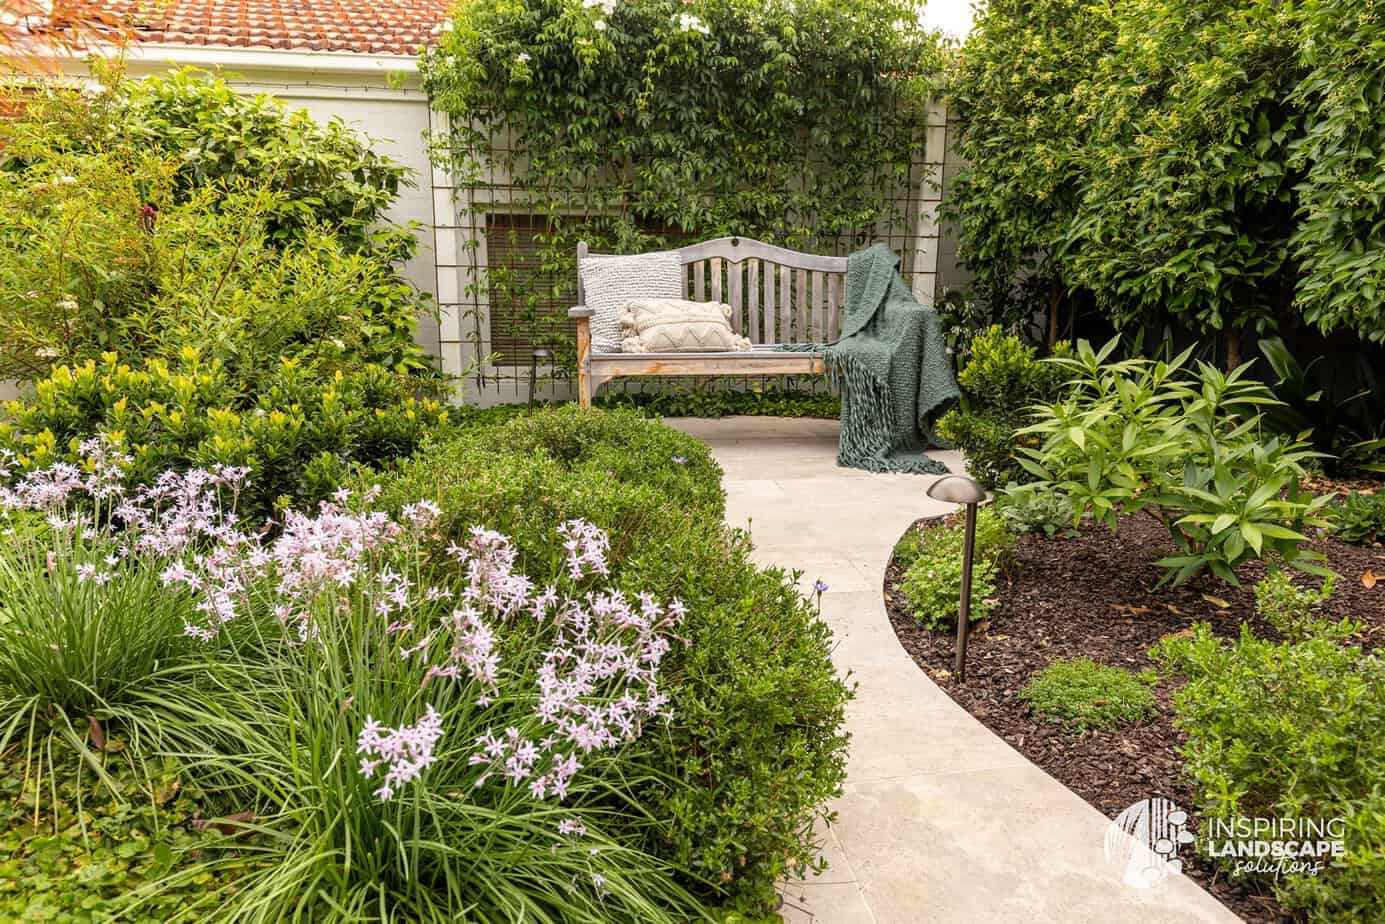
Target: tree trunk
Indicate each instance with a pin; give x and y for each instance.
(1052, 317)
(1233, 349)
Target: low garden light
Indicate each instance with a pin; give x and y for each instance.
(538, 356)
(959, 489)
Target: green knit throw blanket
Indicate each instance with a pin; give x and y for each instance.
(892, 368)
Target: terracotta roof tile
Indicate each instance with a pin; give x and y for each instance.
(397, 27)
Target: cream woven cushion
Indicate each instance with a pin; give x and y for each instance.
(610, 282)
(672, 325)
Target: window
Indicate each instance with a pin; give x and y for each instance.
(528, 302)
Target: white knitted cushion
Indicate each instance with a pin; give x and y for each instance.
(609, 283)
(672, 325)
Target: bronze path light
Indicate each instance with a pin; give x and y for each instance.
(538, 356)
(959, 489)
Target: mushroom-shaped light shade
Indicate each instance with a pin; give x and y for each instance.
(541, 353)
(956, 489)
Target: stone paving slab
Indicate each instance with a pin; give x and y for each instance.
(941, 820)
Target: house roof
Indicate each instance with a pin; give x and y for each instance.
(380, 27)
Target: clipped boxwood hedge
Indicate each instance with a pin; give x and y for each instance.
(756, 744)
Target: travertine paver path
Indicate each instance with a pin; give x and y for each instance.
(941, 820)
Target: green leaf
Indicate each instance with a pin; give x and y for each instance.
(1252, 535)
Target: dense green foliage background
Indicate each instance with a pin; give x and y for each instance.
(204, 277)
(1220, 163)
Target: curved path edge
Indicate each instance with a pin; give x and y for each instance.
(941, 820)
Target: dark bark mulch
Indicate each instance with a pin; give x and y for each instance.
(1092, 595)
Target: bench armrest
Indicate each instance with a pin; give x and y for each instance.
(580, 311)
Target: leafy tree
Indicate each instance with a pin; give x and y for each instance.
(1188, 201)
(1215, 162)
(1339, 241)
(1020, 88)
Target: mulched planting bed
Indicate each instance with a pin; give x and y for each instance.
(1092, 595)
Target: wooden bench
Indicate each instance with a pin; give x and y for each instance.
(776, 296)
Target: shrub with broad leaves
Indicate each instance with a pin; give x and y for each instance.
(1185, 446)
(1001, 381)
(302, 433)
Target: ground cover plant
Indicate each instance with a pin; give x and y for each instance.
(930, 560)
(1359, 517)
(1083, 694)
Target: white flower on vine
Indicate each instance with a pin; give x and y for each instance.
(599, 25)
(607, 7)
(522, 58)
(689, 23)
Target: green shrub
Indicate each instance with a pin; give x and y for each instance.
(1359, 517)
(1004, 375)
(1084, 695)
(83, 274)
(300, 434)
(1140, 435)
(756, 743)
(1002, 379)
(1291, 731)
(1289, 609)
(1028, 508)
(932, 563)
(986, 442)
(147, 218)
(324, 175)
(723, 402)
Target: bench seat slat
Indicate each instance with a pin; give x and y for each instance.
(611, 365)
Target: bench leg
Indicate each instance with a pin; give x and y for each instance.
(584, 373)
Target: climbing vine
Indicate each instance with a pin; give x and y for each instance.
(643, 124)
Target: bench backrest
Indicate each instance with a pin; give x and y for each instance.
(776, 295)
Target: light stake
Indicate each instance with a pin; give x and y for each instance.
(535, 357)
(959, 489)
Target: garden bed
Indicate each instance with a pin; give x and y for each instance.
(1092, 595)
